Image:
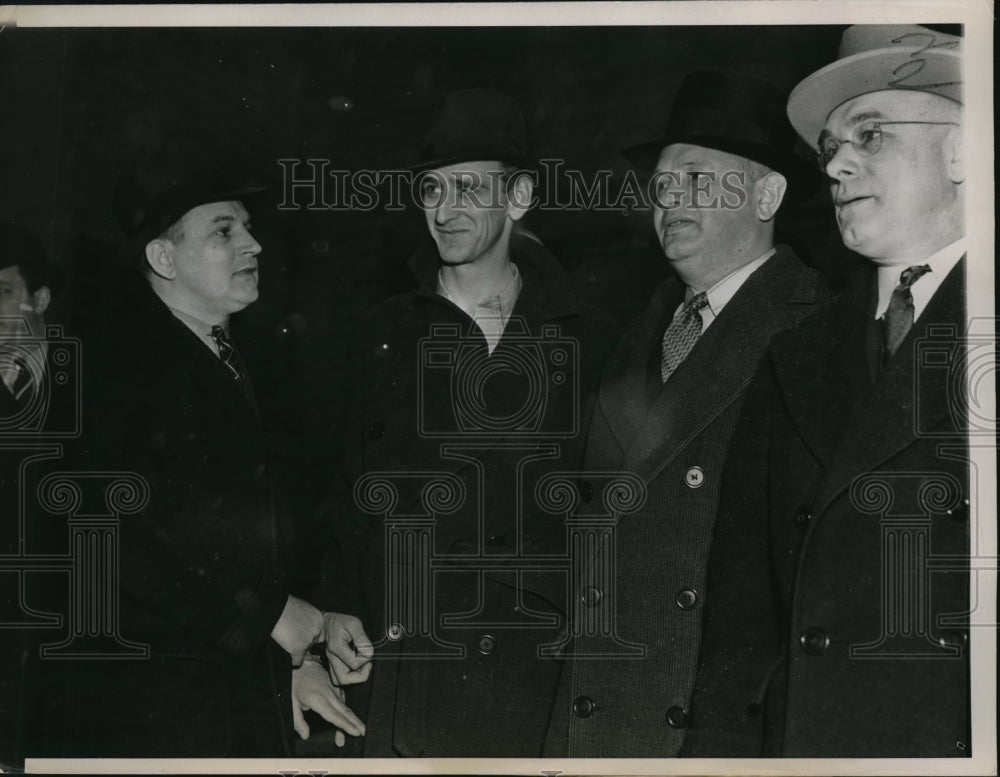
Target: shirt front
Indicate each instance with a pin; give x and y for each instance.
(724, 290)
(941, 263)
(491, 313)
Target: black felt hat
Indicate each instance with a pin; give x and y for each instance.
(476, 125)
(154, 192)
(739, 114)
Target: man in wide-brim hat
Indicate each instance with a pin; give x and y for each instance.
(478, 377)
(669, 398)
(831, 629)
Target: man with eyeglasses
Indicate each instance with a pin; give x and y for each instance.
(838, 581)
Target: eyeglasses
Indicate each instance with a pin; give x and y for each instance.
(866, 138)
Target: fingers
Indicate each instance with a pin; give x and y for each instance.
(342, 674)
(339, 738)
(330, 707)
(299, 721)
(347, 642)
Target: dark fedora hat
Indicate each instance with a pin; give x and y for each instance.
(476, 125)
(155, 191)
(739, 114)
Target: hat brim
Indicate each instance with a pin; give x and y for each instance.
(521, 162)
(173, 210)
(811, 102)
(802, 175)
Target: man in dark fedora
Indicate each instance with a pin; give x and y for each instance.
(668, 401)
(838, 594)
(205, 630)
(466, 391)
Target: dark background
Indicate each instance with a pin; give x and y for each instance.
(77, 104)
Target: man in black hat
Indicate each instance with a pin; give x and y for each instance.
(467, 391)
(838, 623)
(203, 599)
(669, 399)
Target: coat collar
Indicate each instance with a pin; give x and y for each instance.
(175, 344)
(714, 373)
(850, 425)
(545, 296)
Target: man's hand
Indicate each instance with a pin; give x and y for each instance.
(299, 628)
(348, 649)
(312, 690)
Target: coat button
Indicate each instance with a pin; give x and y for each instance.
(591, 596)
(814, 641)
(394, 632)
(686, 598)
(376, 431)
(694, 477)
(486, 644)
(677, 717)
(960, 513)
(802, 516)
(583, 706)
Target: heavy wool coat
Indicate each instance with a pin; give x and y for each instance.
(838, 583)
(674, 437)
(429, 406)
(199, 579)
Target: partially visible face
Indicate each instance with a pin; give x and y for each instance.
(703, 206)
(896, 203)
(17, 304)
(466, 208)
(215, 261)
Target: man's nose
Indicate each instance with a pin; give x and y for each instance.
(251, 246)
(844, 162)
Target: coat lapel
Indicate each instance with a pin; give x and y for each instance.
(721, 364)
(885, 421)
(622, 400)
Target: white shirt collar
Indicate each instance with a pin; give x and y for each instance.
(940, 262)
(724, 290)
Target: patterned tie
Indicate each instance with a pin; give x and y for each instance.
(682, 334)
(229, 357)
(898, 318)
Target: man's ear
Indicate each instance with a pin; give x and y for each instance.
(520, 189)
(160, 258)
(770, 192)
(41, 299)
(954, 152)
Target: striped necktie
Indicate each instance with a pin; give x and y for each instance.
(898, 318)
(682, 334)
(229, 356)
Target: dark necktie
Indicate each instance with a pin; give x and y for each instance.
(682, 334)
(898, 318)
(229, 357)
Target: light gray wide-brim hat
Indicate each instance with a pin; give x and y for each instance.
(874, 58)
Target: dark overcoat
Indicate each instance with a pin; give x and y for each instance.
(199, 584)
(838, 590)
(673, 437)
(446, 450)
